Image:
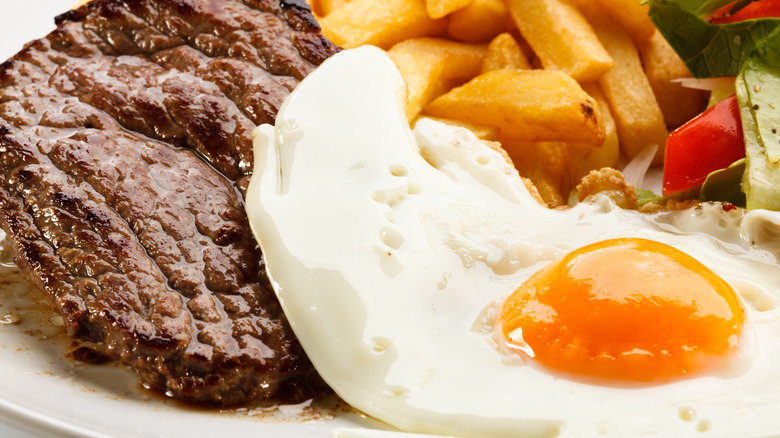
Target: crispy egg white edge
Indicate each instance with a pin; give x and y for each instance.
(346, 120)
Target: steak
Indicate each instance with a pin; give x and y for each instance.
(125, 151)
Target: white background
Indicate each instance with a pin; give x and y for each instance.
(25, 20)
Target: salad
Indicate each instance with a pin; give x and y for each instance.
(730, 152)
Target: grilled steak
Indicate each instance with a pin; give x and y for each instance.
(125, 147)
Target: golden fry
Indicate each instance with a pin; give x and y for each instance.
(544, 163)
(503, 52)
(323, 8)
(528, 105)
(380, 23)
(662, 66)
(582, 158)
(632, 15)
(480, 21)
(561, 38)
(441, 8)
(431, 66)
(638, 118)
(483, 132)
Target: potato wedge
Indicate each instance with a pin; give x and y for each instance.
(480, 21)
(441, 8)
(532, 190)
(528, 105)
(380, 23)
(431, 66)
(422, 75)
(630, 14)
(544, 163)
(465, 60)
(638, 117)
(503, 52)
(582, 158)
(662, 66)
(323, 8)
(561, 37)
(483, 132)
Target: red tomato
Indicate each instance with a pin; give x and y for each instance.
(709, 142)
(756, 9)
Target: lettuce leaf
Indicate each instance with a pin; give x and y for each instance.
(708, 50)
(700, 7)
(644, 196)
(758, 93)
(725, 185)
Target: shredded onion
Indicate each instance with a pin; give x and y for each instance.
(708, 84)
(719, 88)
(636, 169)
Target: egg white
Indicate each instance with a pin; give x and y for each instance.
(389, 248)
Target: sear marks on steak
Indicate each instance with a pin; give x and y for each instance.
(125, 150)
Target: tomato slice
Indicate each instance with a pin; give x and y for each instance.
(756, 9)
(709, 142)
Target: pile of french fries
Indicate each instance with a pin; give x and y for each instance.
(565, 86)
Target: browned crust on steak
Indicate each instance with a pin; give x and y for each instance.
(125, 143)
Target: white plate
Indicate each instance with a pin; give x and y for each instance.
(43, 392)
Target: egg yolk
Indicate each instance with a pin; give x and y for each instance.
(626, 309)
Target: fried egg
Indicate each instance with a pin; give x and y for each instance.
(432, 292)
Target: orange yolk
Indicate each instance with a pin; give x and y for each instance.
(625, 309)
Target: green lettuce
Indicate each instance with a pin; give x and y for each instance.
(758, 93)
(708, 50)
(725, 185)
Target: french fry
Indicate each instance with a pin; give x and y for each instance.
(555, 167)
(422, 77)
(380, 23)
(483, 132)
(503, 52)
(431, 66)
(79, 3)
(561, 37)
(323, 8)
(464, 60)
(588, 8)
(532, 189)
(528, 105)
(662, 66)
(522, 90)
(441, 8)
(582, 158)
(480, 21)
(638, 118)
(544, 163)
(630, 14)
